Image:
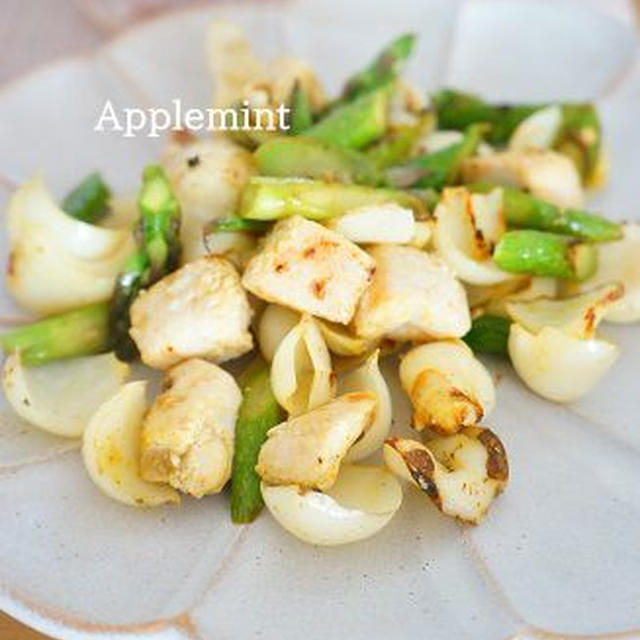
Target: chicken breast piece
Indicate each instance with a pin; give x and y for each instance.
(414, 296)
(545, 173)
(307, 450)
(207, 177)
(309, 268)
(187, 436)
(199, 310)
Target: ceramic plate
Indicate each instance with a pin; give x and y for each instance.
(557, 557)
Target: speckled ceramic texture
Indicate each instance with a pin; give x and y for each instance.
(559, 554)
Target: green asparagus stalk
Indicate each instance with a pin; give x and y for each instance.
(355, 124)
(277, 198)
(309, 158)
(435, 170)
(89, 200)
(579, 136)
(457, 110)
(80, 332)
(397, 146)
(131, 280)
(244, 130)
(158, 253)
(540, 253)
(159, 221)
(394, 148)
(489, 334)
(235, 223)
(252, 138)
(429, 198)
(525, 211)
(387, 66)
(259, 412)
(301, 117)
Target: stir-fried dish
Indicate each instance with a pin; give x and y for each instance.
(380, 224)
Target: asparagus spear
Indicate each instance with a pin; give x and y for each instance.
(259, 412)
(397, 145)
(545, 254)
(158, 253)
(243, 129)
(130, 281)
(88, 201)
(159, 222)
(235, 223)
(310, 158)
(429, 198)
(355, 124)
(394, 148)
(276, 198)
(301, 117)
(435, 170)
(579, 135)
(80, 332)
(457, 110)
(526, 211)
(489, 334)
(384, 69)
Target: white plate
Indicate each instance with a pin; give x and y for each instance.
(559, 553)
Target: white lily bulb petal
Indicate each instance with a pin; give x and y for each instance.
(485, 149)
(438, 140)
(473, 470)
(449, 388)
(231, 60)
(422, 234)
(457, 241)
(485, 295)
(240, 75)
(528, 288)
(558, 366)
(620, 262)
(367, 377)
(539, 130)
(461, 473)
(60, 397)
(57, 262)
(394, 452)
(301, 374)
(111, 450)
(342, 341)
(376, 224)
(578, 315)
(361, 502)
(538, 287)
(236, 246)
(488, 219)
(547, 174)
(275, 322)
(407, 106)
